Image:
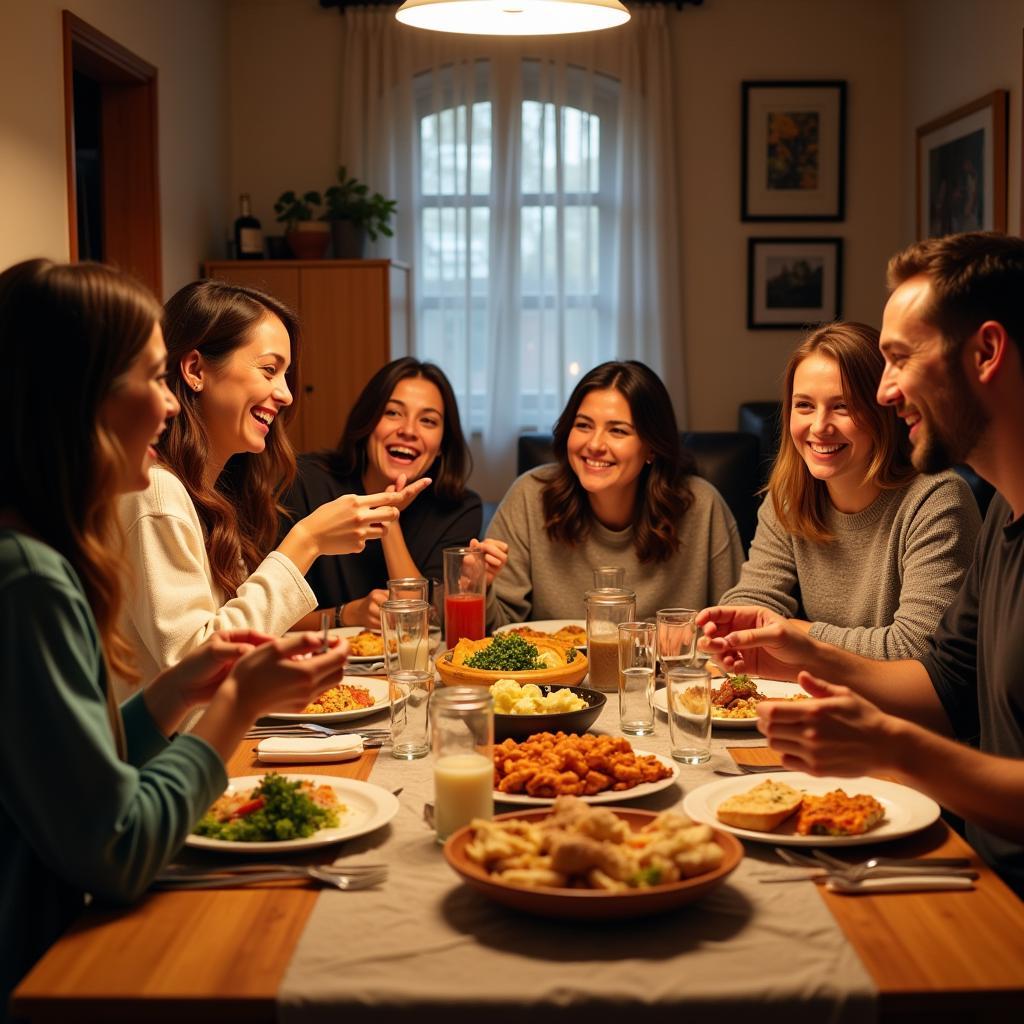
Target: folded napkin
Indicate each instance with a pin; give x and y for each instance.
(905, 883)
(309, 749)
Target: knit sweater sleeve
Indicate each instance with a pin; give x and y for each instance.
(510, 598)
(768, 578)
(938, 527)
(173, 605)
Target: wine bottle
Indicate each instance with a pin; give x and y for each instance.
(248, 234)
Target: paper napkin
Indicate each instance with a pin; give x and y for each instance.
(309, 749)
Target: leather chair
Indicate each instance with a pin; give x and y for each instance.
(727, 459)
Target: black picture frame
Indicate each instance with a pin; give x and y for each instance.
(793, 283)
(782, 182)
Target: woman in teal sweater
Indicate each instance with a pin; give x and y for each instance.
(96, 798)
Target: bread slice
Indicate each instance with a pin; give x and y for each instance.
(762, 808)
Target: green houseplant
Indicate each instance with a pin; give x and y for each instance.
(353, 214)
(306, 237)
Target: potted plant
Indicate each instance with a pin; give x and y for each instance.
(306, 237)
(353, 214)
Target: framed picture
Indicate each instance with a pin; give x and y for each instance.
(794, 151)
(961, 169)
(793, 282)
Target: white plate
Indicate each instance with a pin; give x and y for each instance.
(546, 626)
(769, 687)
(378, 691)
(906, 810)
(611, 796)
(367, 808)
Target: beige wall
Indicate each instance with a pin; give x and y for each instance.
(186, 40)
(958, 52)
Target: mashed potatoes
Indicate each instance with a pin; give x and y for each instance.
(512, 699)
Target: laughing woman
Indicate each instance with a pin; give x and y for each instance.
(623, 492)
(96, 797)
(851, 541)
(201, 537)
(404, 426)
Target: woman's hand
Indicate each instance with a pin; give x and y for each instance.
(366, 611)
(495, 554)
(343, 526)
(195, 679)
(756, 640)
(402, 486)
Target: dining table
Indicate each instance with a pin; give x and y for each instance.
(425, 943)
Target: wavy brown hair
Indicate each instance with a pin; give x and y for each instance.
(662, 494)
(453, 464)
(72, 330)
(240, 511)
(800, 500)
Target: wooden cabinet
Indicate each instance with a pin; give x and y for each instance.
(355, 317)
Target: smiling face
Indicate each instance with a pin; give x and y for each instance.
(835, 449)
(604, 449)
(241, 397)
(929, 389)
(137, 409)
(408, 435)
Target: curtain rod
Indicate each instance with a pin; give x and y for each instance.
(342, 4)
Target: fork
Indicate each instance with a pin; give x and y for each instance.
(824, 866)
(262, 731)
(751, 769)
(340, 878)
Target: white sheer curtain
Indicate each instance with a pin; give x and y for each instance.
(537, 204)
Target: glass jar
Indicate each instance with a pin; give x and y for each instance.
(606, 608)
(462, 738)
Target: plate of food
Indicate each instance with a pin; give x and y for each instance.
(305, 810)
(343, 703)
(734, 699)
(795, 809)
(590, 863)
(567, 631)
(520, 710)
(511, 656)
(597, 769)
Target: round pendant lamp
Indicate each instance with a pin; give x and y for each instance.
(513, 17)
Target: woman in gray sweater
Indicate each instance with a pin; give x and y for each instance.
(851, 541)
(622, 492)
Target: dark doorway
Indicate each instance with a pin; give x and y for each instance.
(111, 127)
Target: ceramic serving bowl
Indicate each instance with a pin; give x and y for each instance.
(590, 904)
(518, 727)
(569, 674)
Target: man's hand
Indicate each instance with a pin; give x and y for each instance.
(756, 640)
(365, 611)
(839, 733)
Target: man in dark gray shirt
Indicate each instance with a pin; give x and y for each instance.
(951, 724)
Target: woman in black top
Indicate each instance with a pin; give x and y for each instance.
(403, 426)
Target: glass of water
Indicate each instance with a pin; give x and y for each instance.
(410, 676)
(688, 698)
(677, 637)
(636, 677)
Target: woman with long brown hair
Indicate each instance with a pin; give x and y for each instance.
(622, 491)
(852, 543)
(97, 798)
(404, 426)
(201, 537)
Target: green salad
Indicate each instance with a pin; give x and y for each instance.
(509, 652)
(277, 809)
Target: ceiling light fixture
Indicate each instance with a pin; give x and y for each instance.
(513, 17)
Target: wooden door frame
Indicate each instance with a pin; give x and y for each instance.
(128, 86)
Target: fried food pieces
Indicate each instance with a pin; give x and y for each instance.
(571, 636)
(580, 846)
(340, 698)
(366, 644)
(555, 764)
(836, 814)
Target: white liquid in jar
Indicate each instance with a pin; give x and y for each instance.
(463, 790)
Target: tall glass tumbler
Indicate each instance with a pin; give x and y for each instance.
(410, 676)
(409, 588)
(636, 677)
(462, 738)
(677, 637)
(688, 698)
(465, 581)
(606, 608)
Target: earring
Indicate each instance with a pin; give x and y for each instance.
(196, 386)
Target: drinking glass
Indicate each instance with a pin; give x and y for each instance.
(677, 637)
(609, 576)
(465, 580)
(606, 608)
(636, 677)
(688, 698)
(462, 738)
(409, 588)
(410, 676)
